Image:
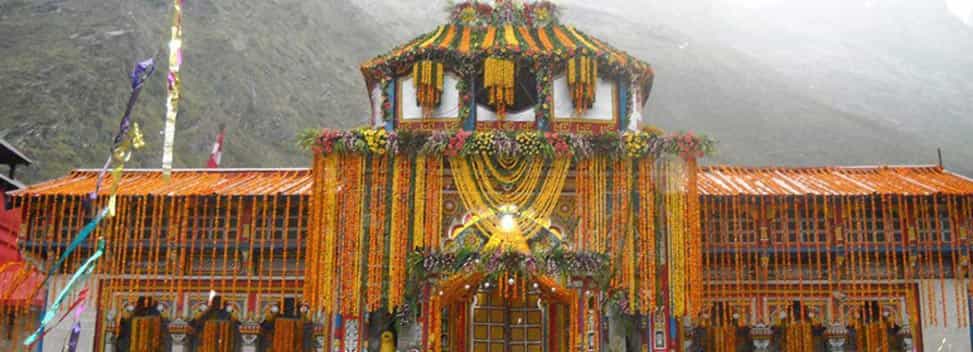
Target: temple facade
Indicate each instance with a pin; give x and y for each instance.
(507, 196)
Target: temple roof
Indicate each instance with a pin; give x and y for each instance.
(186, 182)
(826, 181)
(526, 31)
(713, 181)
(11, 156)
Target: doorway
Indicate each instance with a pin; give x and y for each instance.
(504, 325)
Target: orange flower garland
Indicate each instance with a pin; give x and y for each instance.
(288, 335)
(582, 75)
(399, 231)
(798, 338)
(146, 334)
(218, 336)
(427, 77)
(376, 208)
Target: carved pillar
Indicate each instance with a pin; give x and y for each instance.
(250, 333)
(351, 335)
(761, 334)
(179, 331)
(836, 334)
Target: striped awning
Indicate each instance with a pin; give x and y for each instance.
(475, 42)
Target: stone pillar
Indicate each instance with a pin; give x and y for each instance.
(616, 334)
(906, 333)
(250, 333)
(761, 334)
(110, 340)
(320, 341)
(111, 331)
(687, 337)
(179, 331)
(836, 334)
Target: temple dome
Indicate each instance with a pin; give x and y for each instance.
(478, 41)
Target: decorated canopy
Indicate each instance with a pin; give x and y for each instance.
(521, 32)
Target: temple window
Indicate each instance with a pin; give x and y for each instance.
(419, 99)
(524, 94)
(601, 104)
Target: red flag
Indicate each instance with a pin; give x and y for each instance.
(214, 158)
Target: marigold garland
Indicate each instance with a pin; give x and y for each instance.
(146, 334)
(218, 336)
(288, 335)
(427, 77)
(485, 198)
(498, 79)
(798, 338)
(724, 338)
(872, 336)
(582, 74)
(630, 144)
(399, 231)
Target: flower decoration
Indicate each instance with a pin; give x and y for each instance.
(483, 143)
(457, 143)
(530, 143)
(555, 262)
(505, 144)
(376, 140)
(559, 143)
(631, 145)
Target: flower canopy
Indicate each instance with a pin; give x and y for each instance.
(528, 33)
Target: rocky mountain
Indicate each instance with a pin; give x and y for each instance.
(788, 82)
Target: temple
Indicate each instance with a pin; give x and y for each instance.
(508, 195)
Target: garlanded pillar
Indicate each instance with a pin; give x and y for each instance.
(250, 333)
(179, 331)
(761, 335)
(836, 334)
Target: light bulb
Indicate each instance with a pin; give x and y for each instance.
(507, 223)
(510, 281)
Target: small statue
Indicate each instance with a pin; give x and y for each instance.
(388, 342)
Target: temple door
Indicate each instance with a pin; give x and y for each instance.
(503, 325)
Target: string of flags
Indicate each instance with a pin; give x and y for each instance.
(127, 139)
(217, 155)
(172, 87)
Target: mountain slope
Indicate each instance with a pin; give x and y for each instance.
(888, 86)
(264, 68)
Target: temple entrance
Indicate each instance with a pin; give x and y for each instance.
(504, 325)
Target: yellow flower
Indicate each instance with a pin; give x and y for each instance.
(542, 14)
(377, 140)
(468, 15)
